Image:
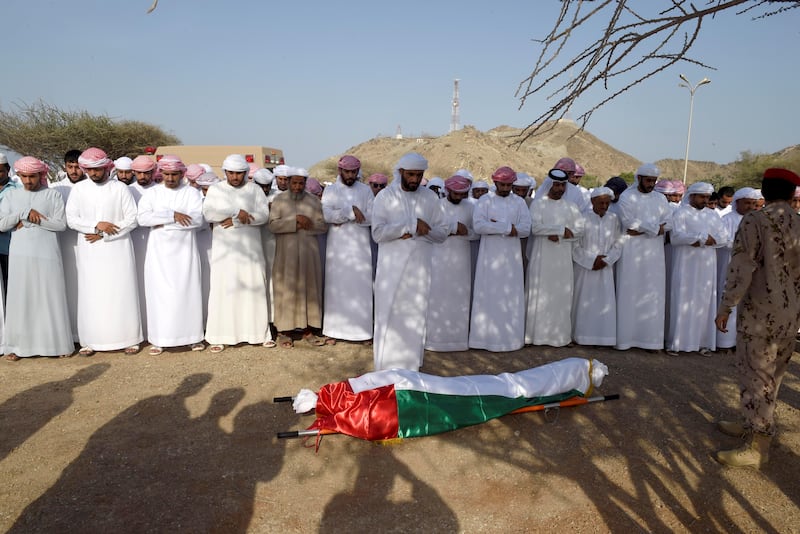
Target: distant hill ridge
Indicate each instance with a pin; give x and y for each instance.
(483, 152)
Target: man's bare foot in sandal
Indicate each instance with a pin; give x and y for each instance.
(285, 342)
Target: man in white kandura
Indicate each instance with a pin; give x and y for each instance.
(38, 322)
(407, 220)
(103, 213)
(501, 219)
(696, 233)
(641, 272)
(594, 303)
(173, 210)
(451, 288)
(238, 310)
(556, 225)
(347, 208)
(68, 239)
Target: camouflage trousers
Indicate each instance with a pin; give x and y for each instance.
(761, 364)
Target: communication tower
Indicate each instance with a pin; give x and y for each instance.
(455, 119)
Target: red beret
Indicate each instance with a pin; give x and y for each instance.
(782, 174)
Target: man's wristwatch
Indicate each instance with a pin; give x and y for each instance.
(98, 231)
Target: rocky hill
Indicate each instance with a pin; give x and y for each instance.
(483, 152)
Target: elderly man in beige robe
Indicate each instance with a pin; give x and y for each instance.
(296, 219)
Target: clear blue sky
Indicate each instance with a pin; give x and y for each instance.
(315, 78)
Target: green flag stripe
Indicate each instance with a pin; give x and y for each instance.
(422, 414)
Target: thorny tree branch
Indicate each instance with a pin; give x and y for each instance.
(630, 43)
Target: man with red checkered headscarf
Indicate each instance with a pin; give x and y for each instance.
(103, 213)
(173, 212)
(501, 218)
(38, 322)
(347, 208)
(451, 278)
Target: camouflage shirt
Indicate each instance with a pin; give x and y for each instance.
(764, 273)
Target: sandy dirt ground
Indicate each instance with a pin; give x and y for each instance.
(185, 442)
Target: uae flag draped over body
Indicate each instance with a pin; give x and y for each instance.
(402, 404)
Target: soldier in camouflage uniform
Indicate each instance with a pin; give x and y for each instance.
(764, 282)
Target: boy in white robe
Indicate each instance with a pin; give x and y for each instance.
(39, 324)
(172, 211)
(103, 213)
(594, 305)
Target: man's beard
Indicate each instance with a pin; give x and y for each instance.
(297, 196)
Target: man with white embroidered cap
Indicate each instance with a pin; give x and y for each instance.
(103, 213)
(695, 235)
(641, 270)
(296, 219)
(555, 226)
(238, 310)
(594, 304)
(347, 206)
(451, 288)
(501, 219)
(407, 221)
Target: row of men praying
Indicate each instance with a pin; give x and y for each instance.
(136, 272)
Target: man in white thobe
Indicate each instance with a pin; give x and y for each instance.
(696, 232)
(451, 288)
(238, 310)
(68, 239)
(103, 213)
(39, 322)
(407, 221)
(173, 211)
(144, 172)
(744, 201)
(594, 304)
(641, 271)
(347, 208)
(556, 225)
(501, 219)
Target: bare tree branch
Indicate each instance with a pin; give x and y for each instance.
(632, 43)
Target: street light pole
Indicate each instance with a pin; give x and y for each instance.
(692, 89)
